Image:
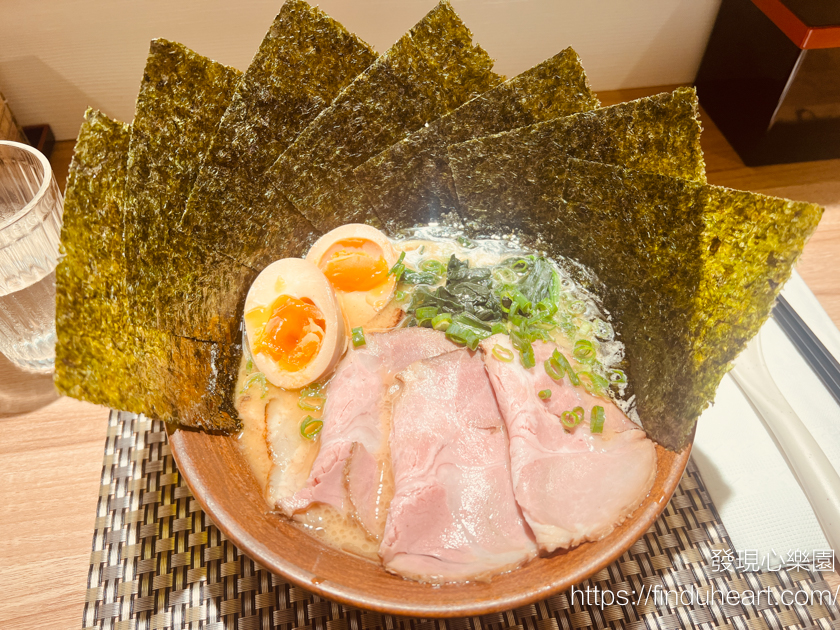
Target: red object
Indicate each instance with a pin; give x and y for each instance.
(804, 36)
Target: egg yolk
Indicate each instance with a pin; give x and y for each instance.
(292, 334)
(352, 267)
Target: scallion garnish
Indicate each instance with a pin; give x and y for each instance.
(498, 328)
(465, 242)
(419, 277)
(505, 355)
(595, 384)
(425, 313)
(422, 249)
(441, 321)
(398, 268)
(399, 296)
(310, 427)
(559, 359)
(596, 421)
(249, 366)
(521, 266)
(256, 377)
(545, 394)
(553, 369)
(312, 397)
(570, 419)
(358, 337)
(584, 351)
(617, 376)
(435, 266)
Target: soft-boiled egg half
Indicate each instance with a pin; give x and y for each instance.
(294, 324)
(357, 260)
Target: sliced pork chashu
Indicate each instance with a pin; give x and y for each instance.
(453, 516)
(348, 472)
(571, 486)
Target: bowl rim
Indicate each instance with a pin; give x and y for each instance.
(624, 538)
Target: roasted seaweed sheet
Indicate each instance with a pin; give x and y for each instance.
(410, 183)
(430, 71)
(101, 356)
(304, 61)
(689, 273)
(514, 180)
(176, 283)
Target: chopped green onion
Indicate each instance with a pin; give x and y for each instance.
(604, 330)
(571, 419)
(505, 355)
(526, 356)
(466, 335)
(617, 376)
(545, 394)
(398, 265)
(312, 397)
(399, 296)
(584, 351)
(596, 422)
(521, 266)
(441, 321)
(312, 390)
(256, 377)
(311, 403)
(593, 383)
(425, 313)
(249, 366)
(561, 361)
(526, 350)
(498, 328)
(310, 427)
(578, 307)
(422, 249)
(358, 337)
(435, 266)
(553, 369)
(469, 319)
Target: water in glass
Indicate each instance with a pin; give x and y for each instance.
(30, 228)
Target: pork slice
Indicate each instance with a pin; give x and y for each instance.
(572, 486)
(453, 516)
(356, 418)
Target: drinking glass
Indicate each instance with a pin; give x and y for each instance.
(30, 227)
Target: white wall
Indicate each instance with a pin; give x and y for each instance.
(58, 57)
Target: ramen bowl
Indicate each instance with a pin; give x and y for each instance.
(221, 480)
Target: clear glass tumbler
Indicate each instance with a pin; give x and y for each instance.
(30, 228)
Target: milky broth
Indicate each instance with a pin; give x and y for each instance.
(325, 522)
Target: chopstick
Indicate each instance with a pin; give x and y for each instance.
(821, 361)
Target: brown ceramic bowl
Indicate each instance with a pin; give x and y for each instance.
(221, 480)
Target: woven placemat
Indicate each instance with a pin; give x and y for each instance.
(159, 562)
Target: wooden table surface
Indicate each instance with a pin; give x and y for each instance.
(51, 448)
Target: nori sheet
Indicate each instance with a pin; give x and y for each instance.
(304, 61)
(410, 183)
(514, 180)
(176, 283)
(101, 356)
(430, 71)
(689, 273)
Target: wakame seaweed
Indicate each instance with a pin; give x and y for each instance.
(689, 273)
(514, 180)
(304, 61)
(410, 183)
(101, 356)
(428, 72)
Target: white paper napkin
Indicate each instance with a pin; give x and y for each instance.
(759, 500)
